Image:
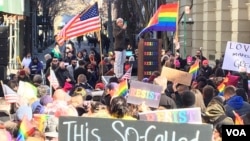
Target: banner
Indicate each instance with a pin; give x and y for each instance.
(27, 90)
(237, 56)
(144, 92)
(177, 76)
(185, 115)
(102, 129)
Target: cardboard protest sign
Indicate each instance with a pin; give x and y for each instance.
(177, 76)
(185, 115)
(96, 129)
(144, 92)
(237, 56)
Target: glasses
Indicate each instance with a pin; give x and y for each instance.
(74, 62)
(54, 60)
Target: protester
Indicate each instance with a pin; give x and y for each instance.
(215, 112)
(119, 109)
(235, 103)
(36, 67)
(26, 60)
(120, 46)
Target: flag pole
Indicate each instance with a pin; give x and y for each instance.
(101, 53)
(177, 31)
(177, 24)
(50, 83)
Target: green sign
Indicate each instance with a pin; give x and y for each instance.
(18, 7)
(101, 129)
(1, 5)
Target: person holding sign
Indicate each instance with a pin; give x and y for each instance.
(119, 46)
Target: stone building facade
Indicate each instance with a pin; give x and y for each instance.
(215, 23)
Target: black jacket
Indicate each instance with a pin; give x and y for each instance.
(119, 36)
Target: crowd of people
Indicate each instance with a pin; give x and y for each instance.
(79, 74)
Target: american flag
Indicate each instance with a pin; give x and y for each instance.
(128, 74)
(83, 23)
(10, 96)
(53, 80)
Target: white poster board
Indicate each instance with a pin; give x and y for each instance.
(237, 56)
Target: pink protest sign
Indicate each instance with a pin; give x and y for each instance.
(185, 115)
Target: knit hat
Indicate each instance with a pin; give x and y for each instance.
(99, 86)
(177, 63)
(46, 99)
(22, 72)
(24, 111)
(189, 59)
(37, 108)
(205, 62)
(112, 85)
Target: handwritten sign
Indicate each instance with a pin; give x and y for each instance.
(177, 76)
(237, 56)
(144, 92)
(96, 129)
(187, 115)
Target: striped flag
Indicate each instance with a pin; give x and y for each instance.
(221, 87)
(238, 120)
(194, 70)
(53, 80)
(83, 23)
(122, 88)
(25, 130)
(9, 95)
(128, 74)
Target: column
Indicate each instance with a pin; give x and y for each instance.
(209, 29)
(240, 22)
(197, 28)
(185, 35)
(223, 26)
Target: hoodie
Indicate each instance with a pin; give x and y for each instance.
(237, 104)
(215, 110)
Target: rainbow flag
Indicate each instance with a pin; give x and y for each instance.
(222, 86)
(237, 120)
(26, 129)
(122, 88)
(164, 19)
(40, 120)
(194, 69)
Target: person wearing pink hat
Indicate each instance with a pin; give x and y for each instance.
(188, 63)
(205, 69)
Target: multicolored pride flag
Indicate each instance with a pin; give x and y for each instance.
(122, 88)
(237, 120)
(164, 19)
(40, 120)
(26, 129)
(194, 70)
(222, 86)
